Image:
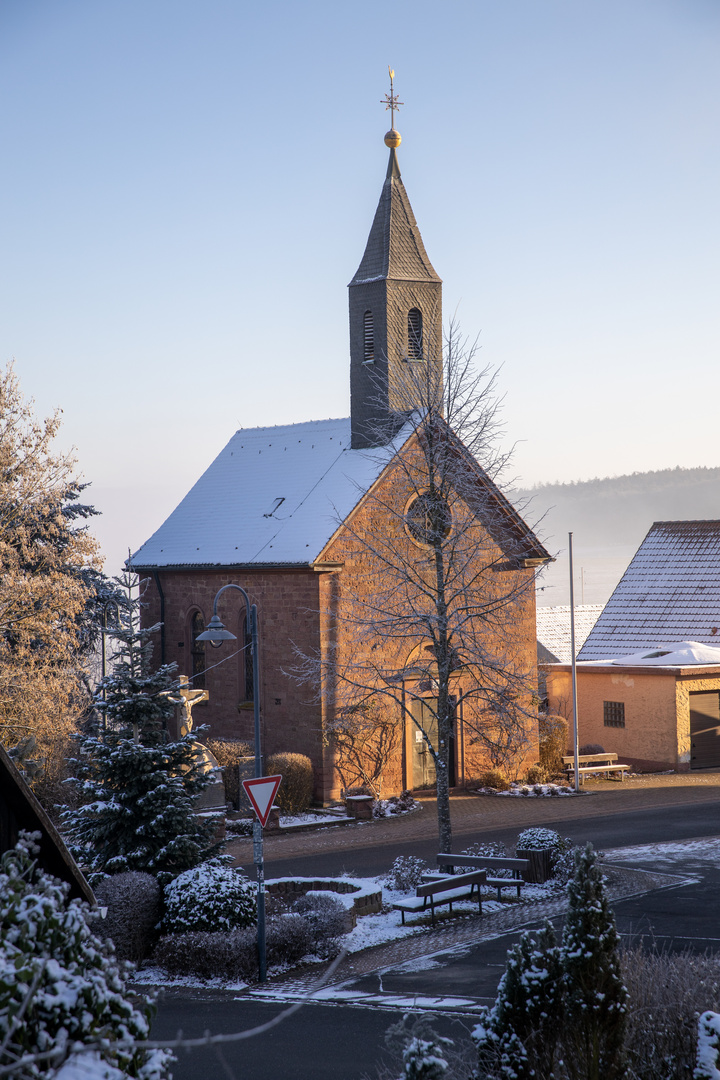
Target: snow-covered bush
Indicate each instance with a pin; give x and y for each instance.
(493, 849)
(326, 918)
(594, 995)
(540, 839)
(133, 911)
(405, 873)
(209, 897)
(66, 979)
(708, 1057)
(519, 1034)
(395, 804)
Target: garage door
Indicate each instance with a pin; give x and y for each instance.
(705, 730)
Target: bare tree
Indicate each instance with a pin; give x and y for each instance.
(433, 608)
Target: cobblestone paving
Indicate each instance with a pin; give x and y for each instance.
(462, 930)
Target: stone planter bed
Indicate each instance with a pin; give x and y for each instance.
(360, 896)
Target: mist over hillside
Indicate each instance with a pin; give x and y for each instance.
(609, 517)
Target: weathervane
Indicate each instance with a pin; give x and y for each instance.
(391, 102)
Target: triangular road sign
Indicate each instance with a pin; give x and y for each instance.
(261, 792)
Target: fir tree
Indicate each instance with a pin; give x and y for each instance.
(595, 998)
(517, 1037)
(137, 787)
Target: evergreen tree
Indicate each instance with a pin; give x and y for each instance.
(595, 998)
(517, 1037)
(138, 788)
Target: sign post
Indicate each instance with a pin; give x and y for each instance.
(261, 792)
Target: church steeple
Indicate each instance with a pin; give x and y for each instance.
(395, 305)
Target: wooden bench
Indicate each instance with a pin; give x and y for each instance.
(517, 867)
(594, 763)
(446, 890)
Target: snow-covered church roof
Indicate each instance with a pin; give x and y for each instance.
(273, 496)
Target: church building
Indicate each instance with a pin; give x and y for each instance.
(289, 513)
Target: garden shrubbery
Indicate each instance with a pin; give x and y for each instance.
(132, 900)
(209, 897)
(405, 873)
(233, 955)
(228, 754)
(553, 731)
(296, 790)
(326, 918)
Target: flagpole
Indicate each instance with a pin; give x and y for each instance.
(574, 667)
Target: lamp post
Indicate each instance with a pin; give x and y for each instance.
(216, 634)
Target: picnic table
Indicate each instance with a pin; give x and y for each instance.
(594, 763)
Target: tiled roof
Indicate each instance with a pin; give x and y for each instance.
(553, 631)
(395, 247)
(669, 593)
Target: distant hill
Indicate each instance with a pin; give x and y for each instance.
(609, 517)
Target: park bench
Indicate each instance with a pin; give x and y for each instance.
(517, 867)
(594, 763)
(444, 890)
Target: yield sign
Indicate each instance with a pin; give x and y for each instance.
(261, 792)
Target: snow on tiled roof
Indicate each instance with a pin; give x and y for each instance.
(669, 593)
(553, 631)
(272, 496)
(686, 654)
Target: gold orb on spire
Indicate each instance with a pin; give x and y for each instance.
(393, 139)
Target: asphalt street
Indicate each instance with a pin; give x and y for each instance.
(343, 1038)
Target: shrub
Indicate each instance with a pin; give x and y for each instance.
(405, 873)
(296, 790)
(288, 938)
(591, 748)
(209, 897)
(133, 911)
(667, 992)
(553, 731)
(215, 955)
(326, 918)
(228, 755)
(80, 994)
(495, 779)
(494, 849)
(537, 774)
(209, 955)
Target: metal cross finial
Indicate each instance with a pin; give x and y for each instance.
(390, 100)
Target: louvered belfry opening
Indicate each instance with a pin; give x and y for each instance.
(368, 338)
(415, 334)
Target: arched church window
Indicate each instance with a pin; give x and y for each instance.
(246, 663)
(415, 334)
(197, 653)
(368, 338)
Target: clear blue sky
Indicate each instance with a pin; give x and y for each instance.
(187, 189)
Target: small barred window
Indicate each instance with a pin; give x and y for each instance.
(614, 713)
(368, 338)
(415, 334)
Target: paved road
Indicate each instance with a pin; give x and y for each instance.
(345, 1041)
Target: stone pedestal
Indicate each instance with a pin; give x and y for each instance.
(359, 807)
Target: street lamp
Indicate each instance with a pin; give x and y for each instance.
(216, 634)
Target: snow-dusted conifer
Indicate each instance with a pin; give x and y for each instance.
(137, 788)
(516, 1039)
(595, 998)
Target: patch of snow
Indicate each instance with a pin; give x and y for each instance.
(705, 850)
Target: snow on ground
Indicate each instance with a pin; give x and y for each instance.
(297, 820)
(705, 850)
(530, 791)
